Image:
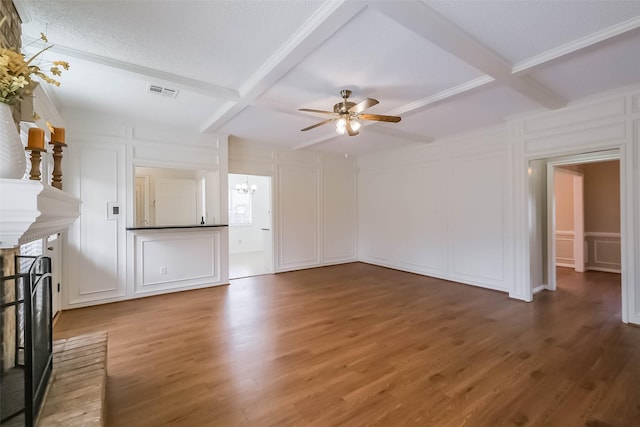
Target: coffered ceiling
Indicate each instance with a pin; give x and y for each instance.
(245, 67)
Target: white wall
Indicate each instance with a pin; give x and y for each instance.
(314, 206)
(460, 208)
(440, 209)
(104, 262)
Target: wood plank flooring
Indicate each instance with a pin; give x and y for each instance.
(356, 344)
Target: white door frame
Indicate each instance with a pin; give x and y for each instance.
(578, 222)
(594, 157)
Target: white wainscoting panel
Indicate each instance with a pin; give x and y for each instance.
(603, 252)
(167, 259)
(564, 249)
(96, 244)
(579, 116)
(591, 139)
(419, 219)
(438, 210)
(298, 220)
(476, 215)
(339, 236)
(378, 205)
(401, 222)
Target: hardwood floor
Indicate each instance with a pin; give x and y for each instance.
(356, 344)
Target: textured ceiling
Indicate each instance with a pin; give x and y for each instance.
(245, 67)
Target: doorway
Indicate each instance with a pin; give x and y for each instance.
(575, 218)
(250, 226)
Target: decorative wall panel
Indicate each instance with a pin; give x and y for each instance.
(161, 263)
(339, 210)
(298, 220)
(95, 258)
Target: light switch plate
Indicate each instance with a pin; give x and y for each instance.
(113, 210)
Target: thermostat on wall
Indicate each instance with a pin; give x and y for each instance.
(113, 210)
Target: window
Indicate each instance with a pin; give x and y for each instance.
(239, 208)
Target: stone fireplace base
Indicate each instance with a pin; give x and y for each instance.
(77, 390)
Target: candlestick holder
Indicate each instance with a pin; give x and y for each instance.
(36, 158)
(56, 181)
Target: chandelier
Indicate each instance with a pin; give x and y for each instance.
(245, 188)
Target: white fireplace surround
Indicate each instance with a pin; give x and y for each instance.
(30, 210)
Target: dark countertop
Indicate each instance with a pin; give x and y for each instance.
(174, 227)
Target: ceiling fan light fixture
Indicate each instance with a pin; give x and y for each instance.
(347, 115)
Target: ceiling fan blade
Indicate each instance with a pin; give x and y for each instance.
(350, 130)
(311, 110)
(363, 105)
(324, 122)
(380, 118)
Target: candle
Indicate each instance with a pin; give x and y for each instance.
(57, 135)
(36, 139)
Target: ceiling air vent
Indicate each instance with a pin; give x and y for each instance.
(163, 91)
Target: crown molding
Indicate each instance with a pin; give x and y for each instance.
(182, 82)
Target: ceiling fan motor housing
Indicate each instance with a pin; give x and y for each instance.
(343, 107)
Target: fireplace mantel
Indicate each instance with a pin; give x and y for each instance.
(30, 210)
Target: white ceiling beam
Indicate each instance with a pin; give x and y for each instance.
(581, 44)
(444, 95)
(182, 82)
(426, 22)
(329, 18)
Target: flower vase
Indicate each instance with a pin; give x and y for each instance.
(12, 159)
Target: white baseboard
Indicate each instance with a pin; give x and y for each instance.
(606, 270)
(539, 289)
(564, 264)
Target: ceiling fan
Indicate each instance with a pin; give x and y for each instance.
(346, 114)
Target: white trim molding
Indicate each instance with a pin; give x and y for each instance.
(604, 251)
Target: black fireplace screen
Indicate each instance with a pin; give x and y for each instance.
(26, 337)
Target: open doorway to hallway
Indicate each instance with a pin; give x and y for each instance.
(587, 216)
(587, 226)
(575, 212)
(250, 226)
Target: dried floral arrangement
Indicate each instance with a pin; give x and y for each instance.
(17, 72)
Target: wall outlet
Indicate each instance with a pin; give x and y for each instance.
(163, 270)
